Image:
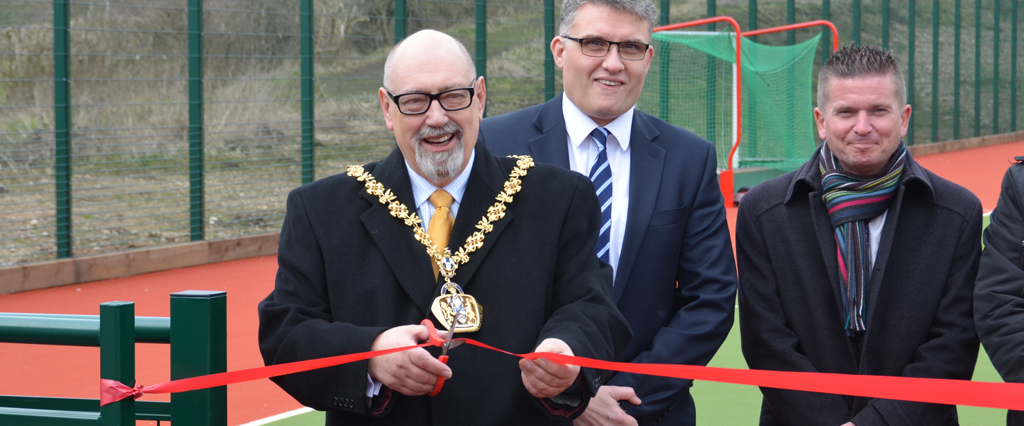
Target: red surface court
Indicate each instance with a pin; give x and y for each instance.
(74, 372)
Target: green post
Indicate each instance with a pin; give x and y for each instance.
(1013, 68)
(995, 68)
(306, 69)
(911, 12)
(195, 118)
(935, 70)
(481, 40)
(885, 24)
(199, 347)
(664, 106)
(117, 358)
(790, 18)
(977, 68)
(62, 124)
(856, 22)
(401, 20)
(956, 70)
(549, 60)
(712, 67)
(752, 18)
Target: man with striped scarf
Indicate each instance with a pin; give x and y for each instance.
(861, 261)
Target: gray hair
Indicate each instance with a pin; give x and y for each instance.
(860, 61)
(462, 48)
(643, 9)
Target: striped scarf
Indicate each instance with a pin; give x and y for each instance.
(852, 201)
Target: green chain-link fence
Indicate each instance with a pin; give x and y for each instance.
(144, 123)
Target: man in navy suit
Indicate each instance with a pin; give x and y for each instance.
(664, 231)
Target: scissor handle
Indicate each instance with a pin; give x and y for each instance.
(440, 379)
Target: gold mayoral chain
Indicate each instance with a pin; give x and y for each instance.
(456, 311)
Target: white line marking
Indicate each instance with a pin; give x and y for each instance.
(282, 416)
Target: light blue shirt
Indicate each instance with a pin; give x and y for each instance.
(421, 191)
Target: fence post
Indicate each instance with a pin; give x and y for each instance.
(306, 66)
(956, 70)
(117, 358)
(195, 118)
(995, 68)
(199, 347)
(401, 20)
(62, 124)
(911, 12)
(977, 68)
(935, 70)
(481, 41)
(549, 60)
(856, 22)
(1013, 67)
(752, 18)
(791, 18)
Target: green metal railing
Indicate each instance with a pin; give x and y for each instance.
(151, 122)
(196, 331)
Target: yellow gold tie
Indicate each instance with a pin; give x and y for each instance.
(441, 223)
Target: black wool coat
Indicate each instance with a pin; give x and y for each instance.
(999, 291)
(348, 270)
(919, 321)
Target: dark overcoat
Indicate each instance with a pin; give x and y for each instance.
(918, 317)
(999, 292)
(348, 270)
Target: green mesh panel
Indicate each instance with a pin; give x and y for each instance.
(697, 94)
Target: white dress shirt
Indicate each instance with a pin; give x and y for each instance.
(421, 191)
(583, 151)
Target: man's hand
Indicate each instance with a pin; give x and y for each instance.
(544, 378)
(604, 408)
(849, 424)
(412, 372)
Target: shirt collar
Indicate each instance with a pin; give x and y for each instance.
(422, 188)
(579, 125)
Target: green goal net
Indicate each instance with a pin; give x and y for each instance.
(692, 83)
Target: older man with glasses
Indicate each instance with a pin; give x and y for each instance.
(664, 227)
(507, 259)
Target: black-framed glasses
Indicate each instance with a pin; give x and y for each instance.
(419, 103)
(628, 50)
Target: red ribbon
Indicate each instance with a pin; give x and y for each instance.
(1008, 396)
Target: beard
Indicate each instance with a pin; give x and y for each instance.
(444, 165)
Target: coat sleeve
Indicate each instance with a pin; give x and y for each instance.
(767, 341)
(999, 291)
(296, 323)
(705, 294)
(584, 314)
(952, 349)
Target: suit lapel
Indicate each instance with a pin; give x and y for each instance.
(486, 180)
(646, 162)
(551, 146)
(406, 256)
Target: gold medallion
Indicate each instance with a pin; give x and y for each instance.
(456, 311)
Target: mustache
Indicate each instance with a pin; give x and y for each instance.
(430, 132)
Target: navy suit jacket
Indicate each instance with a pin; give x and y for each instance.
(676, 232)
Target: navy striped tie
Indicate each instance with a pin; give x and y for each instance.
(601, 175)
